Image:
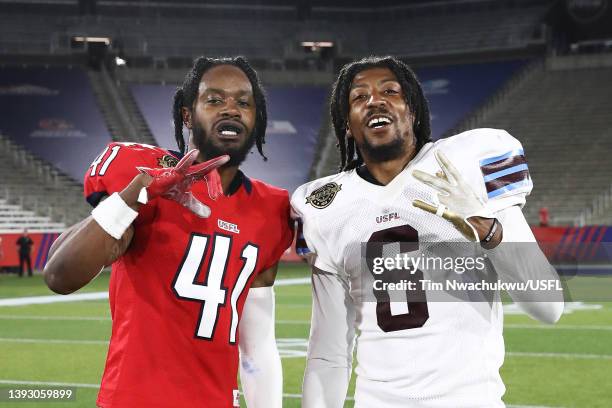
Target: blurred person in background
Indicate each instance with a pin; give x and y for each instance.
(24, 244)
(544, 216)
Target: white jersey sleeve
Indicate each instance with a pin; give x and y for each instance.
(520, 259)
(494, 164)
(330, 348)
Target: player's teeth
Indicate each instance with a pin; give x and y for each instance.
(377, 121)
(228, 133)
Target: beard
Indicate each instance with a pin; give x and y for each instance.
(385, 152)
(210, 149)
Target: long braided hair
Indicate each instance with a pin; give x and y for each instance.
(186, 95)
(339, 106)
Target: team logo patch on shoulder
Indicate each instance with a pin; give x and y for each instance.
(167, 161)
(324, 195)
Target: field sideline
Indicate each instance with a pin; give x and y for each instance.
(64, 343)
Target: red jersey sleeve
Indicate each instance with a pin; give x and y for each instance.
(285, 226)
(117, 165)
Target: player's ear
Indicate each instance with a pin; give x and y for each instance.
(186, 114)
(348, 131)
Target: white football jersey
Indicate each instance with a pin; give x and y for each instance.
(445, 353)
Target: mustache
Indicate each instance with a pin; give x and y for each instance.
(237, 122)
(204, 142)
(378, 111)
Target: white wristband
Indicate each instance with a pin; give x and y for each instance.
(114, 215)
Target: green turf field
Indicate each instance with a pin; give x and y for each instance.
(567, 365)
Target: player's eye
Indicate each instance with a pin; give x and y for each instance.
(360, 97)
(244, 104)
(391, 92)
(214, 100)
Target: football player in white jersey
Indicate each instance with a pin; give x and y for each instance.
(398, 186)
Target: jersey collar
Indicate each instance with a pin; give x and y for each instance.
(378, 192)
(364, 173)
(240, 179)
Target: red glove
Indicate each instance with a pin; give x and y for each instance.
(175, 183)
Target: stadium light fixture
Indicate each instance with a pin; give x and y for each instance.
(103, 40)
(119, 61)
(317, 45)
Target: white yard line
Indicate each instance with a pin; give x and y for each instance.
(529, 406)
(78, 318)
(96, 386)
(561, 355)
(287, 347)
(307, 322)
(298, 322)
(293, 305)
(296, 347)
(299, 396)
(52, 341)
(292, 282)
(569, 308)
(39, 300)
(49, 384)
(557, 327)
(507, 326)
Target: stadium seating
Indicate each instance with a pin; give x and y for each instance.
(453, 33)
(32, 34)
(34, 194)
(456, 31)
(124, 121)
(13, 218)
(561, 114)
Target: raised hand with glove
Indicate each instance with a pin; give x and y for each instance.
(78, 255)
(117, 212)
(459, 204)
(174, 183)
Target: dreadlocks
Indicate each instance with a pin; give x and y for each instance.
(186, 95)
(339, 106)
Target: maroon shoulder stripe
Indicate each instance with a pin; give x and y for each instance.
(503, 164)
(507, 179)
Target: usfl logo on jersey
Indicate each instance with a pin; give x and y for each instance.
(324, 195)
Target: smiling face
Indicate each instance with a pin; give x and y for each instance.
(379, 119)
(223, 115)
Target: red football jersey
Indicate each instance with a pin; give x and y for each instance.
(177, 294)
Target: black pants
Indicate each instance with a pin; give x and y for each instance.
(25, 259)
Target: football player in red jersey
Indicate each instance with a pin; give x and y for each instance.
(192, 276)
